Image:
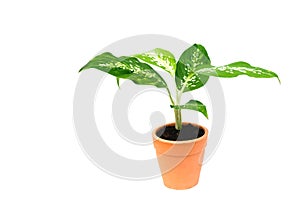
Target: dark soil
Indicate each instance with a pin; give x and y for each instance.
(187, 132)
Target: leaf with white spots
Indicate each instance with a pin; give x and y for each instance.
(160, 58)
(236, 69)
(192, 59)
(127, 68)
(193, 105)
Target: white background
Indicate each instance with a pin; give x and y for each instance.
(44, 43)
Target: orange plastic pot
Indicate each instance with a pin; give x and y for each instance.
(180, 162)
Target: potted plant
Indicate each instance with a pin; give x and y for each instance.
(180, 145)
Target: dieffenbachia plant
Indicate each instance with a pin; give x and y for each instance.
(190, 72)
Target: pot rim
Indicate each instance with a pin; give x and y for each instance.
(156, 138)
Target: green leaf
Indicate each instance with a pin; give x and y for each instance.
(236, 69)
(127, 68)
(160, 58)
(192, 59)
(193, 105)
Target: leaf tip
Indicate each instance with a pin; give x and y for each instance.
(80, 69)
(278, 79)
(118, 82)
(83, 68)
(206, 116)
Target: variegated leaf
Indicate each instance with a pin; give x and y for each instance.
(160, 58)
(191, 60)
(127, 68)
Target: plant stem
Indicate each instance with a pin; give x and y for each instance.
(170, 96)
(177, 111)
(178, 121)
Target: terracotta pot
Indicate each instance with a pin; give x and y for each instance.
(180, 161)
